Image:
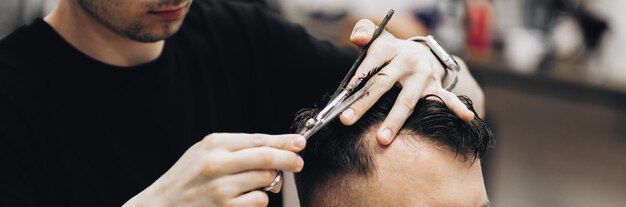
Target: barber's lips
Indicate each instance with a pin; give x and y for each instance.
(170, 14)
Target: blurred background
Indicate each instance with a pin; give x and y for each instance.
(554, 76)
(552, 71)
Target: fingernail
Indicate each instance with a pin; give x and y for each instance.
(386, 134)
(348, 114)
(299, 142)
(359, 31)
(300, 163)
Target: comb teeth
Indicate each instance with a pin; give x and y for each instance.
(365, 77)
(357, 84)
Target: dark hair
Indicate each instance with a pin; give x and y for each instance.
(339, 150)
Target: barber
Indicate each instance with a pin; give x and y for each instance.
(53, 139)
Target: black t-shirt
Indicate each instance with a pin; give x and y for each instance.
(78, 132)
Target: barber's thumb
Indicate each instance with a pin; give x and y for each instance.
(362, 33)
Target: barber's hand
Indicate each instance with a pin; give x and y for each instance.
(225, 170)
(412, 65)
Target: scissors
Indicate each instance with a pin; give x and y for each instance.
(344, 96)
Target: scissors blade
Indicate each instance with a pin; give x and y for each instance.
(336, 111)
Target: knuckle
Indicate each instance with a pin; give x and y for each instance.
(257, 140)
(209, 170)
(268, 175)
(210, 158)
(284, 142)
(383, 81)
(358, 106)
(381, 85)
(425, 71)
(409, 102)
(432, 91)
(445, 93)
(213, 189)
(211, 141)
(265, 158)
(455, 105)
(409, 57)
(396, 125)
(218, 192)
(211, 165)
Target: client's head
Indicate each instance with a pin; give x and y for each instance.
(434, 160)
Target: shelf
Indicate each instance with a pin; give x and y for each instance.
(547, 84)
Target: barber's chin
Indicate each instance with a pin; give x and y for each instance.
(152, 36)
(147, 39)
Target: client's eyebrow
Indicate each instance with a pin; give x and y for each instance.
(486, 204)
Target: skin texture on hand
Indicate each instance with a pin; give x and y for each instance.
(414, 68)
(225, 170)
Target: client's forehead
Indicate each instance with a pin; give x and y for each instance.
(427, 173)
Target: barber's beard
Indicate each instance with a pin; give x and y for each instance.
(102, 11)
(138, 33)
